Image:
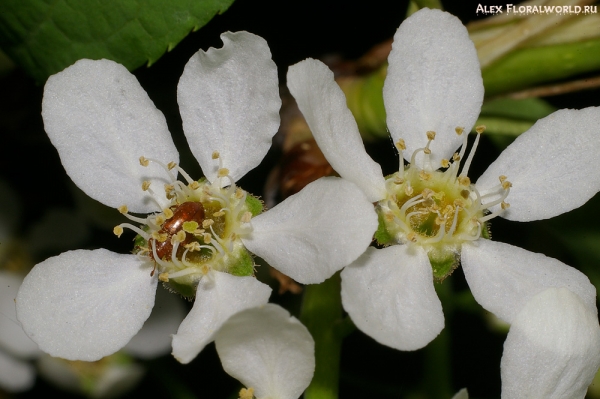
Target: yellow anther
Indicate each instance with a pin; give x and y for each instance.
(246, 393)
(423, 175)
(427, 151)
(465, 194)
(412, 236)
(118, 230)
(502, 178)
(190, 226)
(219, 214)
(160, 237)
(159, 219)
(193, 246)
(401, 145)
(205, 269)
(459, 203)
(239, 193)
(430, 135)
(398, 180)
(206, 238)
(179, 237)
(198, 232)
(215, 155)
(223, 172)
(171, 165)
(464, 180)
(480, 129)
(504, 205)
(448, 209)
(389, 217)
(246, 217)
(408, 190)
(168, 213)
(445, 163)
(164, 277)
(145, 185)
(439, 221)
(427, 193)
(122, 209)
(455, 157)
(144, 161)
(506, 184)
(206, 223)
(459, 130)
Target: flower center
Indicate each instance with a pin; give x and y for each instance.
(198, 232)
(437, 209)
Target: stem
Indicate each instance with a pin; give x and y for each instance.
(321, 314)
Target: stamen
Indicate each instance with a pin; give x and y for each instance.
(467, 163)
(134, 228)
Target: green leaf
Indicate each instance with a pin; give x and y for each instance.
(532, 66)
(46, 36)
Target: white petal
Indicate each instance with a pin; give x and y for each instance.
(503, 278)
(433, 83)
(154, 339)
(267, 349)
(462, 394)
(15, 375)
(84, 305)
(553, 348)
(12, 337)
(323, 105)
(217, 299)
(101, 121)
(229, 102)
(553, 167)
(315, 232)
(389, 295)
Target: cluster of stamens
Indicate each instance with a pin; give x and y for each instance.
(198, 231)
(438, 207)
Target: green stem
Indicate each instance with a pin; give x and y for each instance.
(321, 314)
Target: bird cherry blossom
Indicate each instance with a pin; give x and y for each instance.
(197, 234)
(431, 215)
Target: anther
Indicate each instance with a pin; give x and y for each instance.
(504, 205)
(246, 217)
(480, 129)
(430, 135)
(502, 178)
(194, 185)
(219, 214)
(455, 157)
(144, 161)
(207, 238)
(423, 175)
(398, 180)
(206, 223)
(171, 165)
(506, 184)
(459, 130)
(464, 180)
(145, 185)
(239, 193)
(164, 277)
(118, 230)
(168, 213)
(193, 246)
(445, 163)
(223, 172)
(215, 155)
(401, 145)
(122, 209)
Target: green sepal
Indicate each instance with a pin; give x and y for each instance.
(139, 242)
(444, 260)
(382, 235)
(188, 291)
(255, 205)
(485, 231)
(244, 265)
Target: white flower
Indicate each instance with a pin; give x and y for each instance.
(433, 92)
(263, 348)
(88, 304)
